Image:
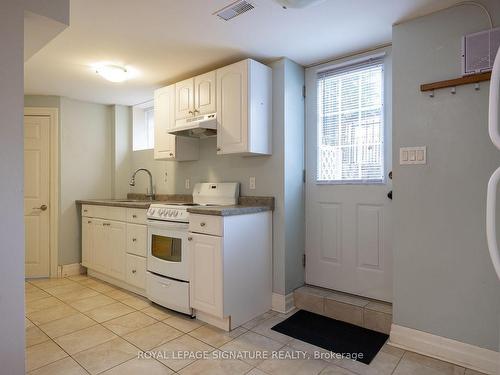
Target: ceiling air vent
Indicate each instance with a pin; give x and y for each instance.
(234, 10)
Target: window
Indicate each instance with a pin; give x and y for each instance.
(143, 126)
(351, 124)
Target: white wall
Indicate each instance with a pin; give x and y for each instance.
(444, 282)
(11, 197)
(85, 165)
(121, 146)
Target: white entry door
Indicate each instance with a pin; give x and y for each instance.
(348, 158)
(36, 195)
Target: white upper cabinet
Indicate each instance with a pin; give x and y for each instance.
(204, 93)
(168, 146)
(244, 109)
(184, 99)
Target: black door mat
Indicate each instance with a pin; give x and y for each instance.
(342, 338)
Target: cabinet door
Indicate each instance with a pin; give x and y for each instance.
(206, 273)
(164, 104)
(136, 271)
(116, 244)
(232, 108)
(100, 252)
(87, 242)
(204, 93)
(184, 98)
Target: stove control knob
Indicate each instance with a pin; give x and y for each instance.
(176, 213)
(170, 213)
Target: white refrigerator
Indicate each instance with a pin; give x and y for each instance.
(491, 197)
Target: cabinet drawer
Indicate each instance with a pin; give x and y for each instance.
(206, 224)
(137, 239)
(109, 213)
(136, 215)
(136, 271)
(87, 210)
(167, 292)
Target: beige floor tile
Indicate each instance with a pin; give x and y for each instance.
(118, 294)
(216, 366)
(335, 370)
(377, 321)
(290, 366)
(62, 290)
(53, 313)
(384, 362)
(128, 323)
(170, 351)
(152, 336)
(80, 294)
(473, 372)
(35, 335)
(138, 366)
(29, 286)
(264, 329)
(138, 303)
(34, 294)
(104, 313)
(158, 312)
(183, 323)
(105, 356)
(90, 303)
(78, 278)
(28, 323)
(215, 336)
(256, 371)
(99, 286)
(343, 311)
(67, 325)
(42, 354)
(259, 319)
(382, 307)
(42, 304)
(49, 283)
(416, 364)
(65, 366)
(251, 342)
(84, 339)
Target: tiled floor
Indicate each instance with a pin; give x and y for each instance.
(80, 325)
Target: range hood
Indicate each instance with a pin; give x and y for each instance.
(196, 127)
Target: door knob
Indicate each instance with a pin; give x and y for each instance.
(43, 207)
(389, 195)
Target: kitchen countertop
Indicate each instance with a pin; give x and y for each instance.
(247, 205)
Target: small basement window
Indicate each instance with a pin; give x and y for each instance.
(350, 124)
(143, 124)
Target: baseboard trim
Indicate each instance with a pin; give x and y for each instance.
(66, 270)
(281, 303)
(459, 353)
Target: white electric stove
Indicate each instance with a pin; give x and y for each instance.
(168, 255)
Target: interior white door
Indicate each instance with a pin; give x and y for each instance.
(348, 225)
(36, 195)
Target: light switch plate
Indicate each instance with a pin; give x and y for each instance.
(187, 183)
(251, 183)
(413, 155)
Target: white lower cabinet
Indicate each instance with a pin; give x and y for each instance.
(136, 271)
(115, 250)
(206, 273)
(230, 267)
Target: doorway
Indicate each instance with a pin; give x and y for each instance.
(348, 161)
(40, 191)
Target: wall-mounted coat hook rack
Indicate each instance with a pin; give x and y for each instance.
(453, 83)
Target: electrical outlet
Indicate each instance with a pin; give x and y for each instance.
(251, 183)
(187, 183)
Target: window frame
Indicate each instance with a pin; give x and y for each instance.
(353, 65)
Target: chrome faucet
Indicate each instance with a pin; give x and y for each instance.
(151, 195)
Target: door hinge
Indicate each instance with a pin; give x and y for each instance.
(304, 91)
(304, 260)
(304, 175)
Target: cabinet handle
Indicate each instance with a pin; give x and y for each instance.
(190, 238)
(106, 224)
(171, 154)
(196, 111)
(202, 224)
(219, 149)
(134, 271)
(85, 210)
(89, 222)
(165, 285)
(191, 112)
(134, 216)
(134, 239)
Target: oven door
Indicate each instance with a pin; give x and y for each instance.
(167, 249)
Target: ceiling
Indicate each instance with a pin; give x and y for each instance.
(167, 40)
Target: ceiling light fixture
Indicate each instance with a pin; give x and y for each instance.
(112, 73)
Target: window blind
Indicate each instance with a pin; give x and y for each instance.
(351, 123)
